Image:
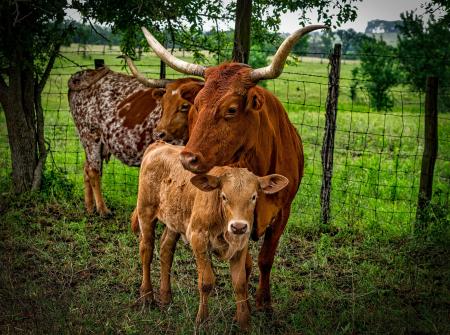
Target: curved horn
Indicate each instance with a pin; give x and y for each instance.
(144, 80)
(276, 67)
(175, 63)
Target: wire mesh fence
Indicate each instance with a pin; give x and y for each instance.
(377, 153)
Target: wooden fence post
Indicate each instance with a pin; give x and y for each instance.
(330, 130)
(430, 150)
(98, 63)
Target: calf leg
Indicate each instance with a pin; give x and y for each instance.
(266, 257)
(199, 244)
(169, 240)
(147, 223)
(88, 192)
(248, 271)
(238, 269)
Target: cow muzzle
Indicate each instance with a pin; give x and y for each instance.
(238, 227)
(160, 135)
(193, 162)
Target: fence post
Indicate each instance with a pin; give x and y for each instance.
(430, 150)
(330, 130)
(98, 63)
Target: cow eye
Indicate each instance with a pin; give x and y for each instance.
(254, 197)
(231, 112)
(185, 107)
(224, 198)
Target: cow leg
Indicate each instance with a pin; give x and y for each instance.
(238, 268)
(88, 192)
(95, 181)
(266, 257)
(93, 170)
(169, 240)
(147, 223)
(199, 244)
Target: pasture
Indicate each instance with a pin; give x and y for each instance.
(368, 272)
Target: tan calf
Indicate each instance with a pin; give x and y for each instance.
(212, 212)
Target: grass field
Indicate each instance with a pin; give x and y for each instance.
(368, 272)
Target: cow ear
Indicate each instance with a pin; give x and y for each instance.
(190, 90)
(158, 93)
(255, 100)
(272, 183)
(205, 182)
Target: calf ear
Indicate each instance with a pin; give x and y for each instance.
(190, 90)
(205, 182)
(255, 100)
(273, 183)
(158, 93)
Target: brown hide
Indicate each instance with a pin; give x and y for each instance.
(136, 107)
(176, 104)
(238, 123)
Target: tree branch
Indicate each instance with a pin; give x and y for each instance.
(99, 34)
(51, 61)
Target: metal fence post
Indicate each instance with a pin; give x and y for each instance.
(330, 130)
(430, 150)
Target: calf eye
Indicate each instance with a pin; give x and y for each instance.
(224, 198)
(254, 197)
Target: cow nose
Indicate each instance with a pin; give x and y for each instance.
(189, 160)
(160, 135)
(238, 227)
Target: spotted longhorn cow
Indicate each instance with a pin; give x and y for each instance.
(116, 114)
(235, 122)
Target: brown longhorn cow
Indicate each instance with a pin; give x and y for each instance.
(117, 114)
(234, 122)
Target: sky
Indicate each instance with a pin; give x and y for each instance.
(367, 10)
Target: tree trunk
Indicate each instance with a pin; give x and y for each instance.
(241, 47)
(19, 107)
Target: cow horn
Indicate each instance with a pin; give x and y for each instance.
(175, 63)
(141, 78)
(276, 67)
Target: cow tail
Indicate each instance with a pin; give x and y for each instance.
(135, 221)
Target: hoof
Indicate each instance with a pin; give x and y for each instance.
(145, 298)
(105, 213)
(165, 298)
(243, 322)
(89, 209)
(264, 307)
(263, 302)
(202, 318)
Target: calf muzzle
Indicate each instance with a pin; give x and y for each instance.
(238, 227)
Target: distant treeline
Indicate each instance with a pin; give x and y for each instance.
(87, 34)
(315, 43)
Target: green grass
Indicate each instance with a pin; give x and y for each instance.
(66, 272)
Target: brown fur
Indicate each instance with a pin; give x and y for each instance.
(136, 107)
(259, 136)
(207, 215)
(176, 106)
